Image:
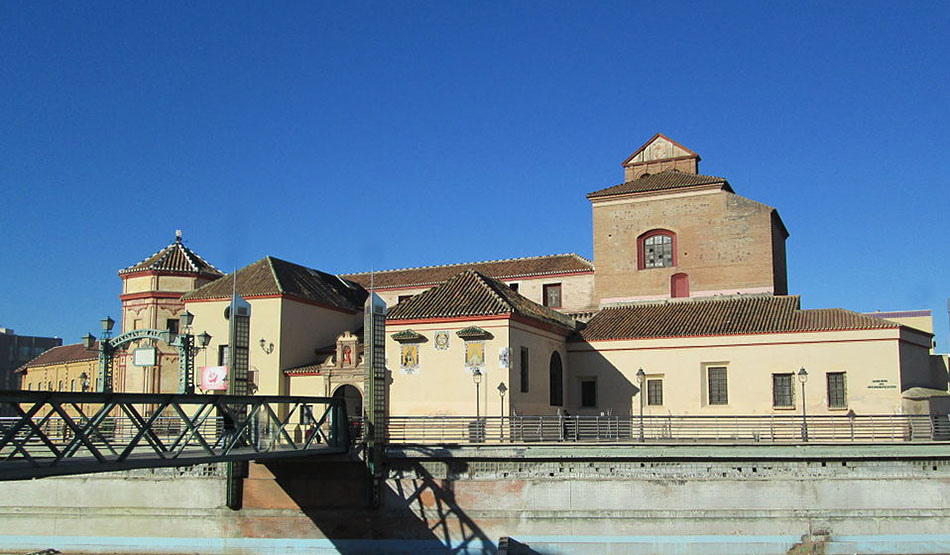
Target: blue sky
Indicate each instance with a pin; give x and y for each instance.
(350, 136)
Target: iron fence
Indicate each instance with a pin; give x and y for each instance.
(672, 429)
(61, 432)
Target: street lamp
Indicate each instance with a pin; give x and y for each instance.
(803, 377)
(186, 319)
(502, 389)
(477, 378)
(641, 377)
(107, 324)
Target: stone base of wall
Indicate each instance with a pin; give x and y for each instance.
(554, 506)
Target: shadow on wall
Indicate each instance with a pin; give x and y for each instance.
(418, 513)
(615, 393)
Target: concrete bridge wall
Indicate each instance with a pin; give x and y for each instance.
(465, 500)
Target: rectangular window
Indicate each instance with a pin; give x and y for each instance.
(655, 392)
(588, 393)
(552, 295)
(837, 395)
(171, 325)
(403, 298)
(223, 358)
(718, 387)
(513, 286)
(782, 391)
(524, 369)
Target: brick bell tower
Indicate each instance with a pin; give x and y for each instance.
(669, 232)
(151, 297)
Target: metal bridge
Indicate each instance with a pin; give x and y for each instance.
(55, 433)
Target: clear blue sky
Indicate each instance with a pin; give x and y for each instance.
(348, 136)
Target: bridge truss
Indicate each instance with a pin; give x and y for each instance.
(55, 433)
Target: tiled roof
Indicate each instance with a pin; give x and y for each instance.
(663, 181)
(176, 257)
(273, 276)
(472, 293)
(499, 269)
(730, 316)
(76, 352)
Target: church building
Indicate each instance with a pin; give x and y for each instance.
(684, 310)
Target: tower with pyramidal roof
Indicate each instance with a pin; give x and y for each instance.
(151, 297)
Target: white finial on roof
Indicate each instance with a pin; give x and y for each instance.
(178, 235)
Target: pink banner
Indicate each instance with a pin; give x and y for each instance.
(214, 378)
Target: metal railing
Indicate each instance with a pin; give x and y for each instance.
(64, 433)
(669, 429)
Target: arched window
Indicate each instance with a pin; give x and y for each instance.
(557, 380)
(656, 249)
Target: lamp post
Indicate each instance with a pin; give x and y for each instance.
(502, 389)
(641, 377)
(188, 346)
(477, 378)
(803, 377)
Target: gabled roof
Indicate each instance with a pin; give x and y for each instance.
(511, 268)
(472, 293)
(76, 352)
(273, 276)
(728, 316)
(175, 258)
(646, 145)
(663, 181)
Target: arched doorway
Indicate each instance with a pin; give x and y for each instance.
(353, 398)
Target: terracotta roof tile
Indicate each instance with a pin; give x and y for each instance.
(76, 352)
(472, 293)
(273, 276)
(499, 269)
(731, 316)
(176, 257)
(663, 181)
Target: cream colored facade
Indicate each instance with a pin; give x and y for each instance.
(442, 385)
(61, 376)
(295, 328)
(877, 364)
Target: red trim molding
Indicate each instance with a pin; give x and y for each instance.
(151, 295)
(145, 273)
(757, 333)
(672, 347)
